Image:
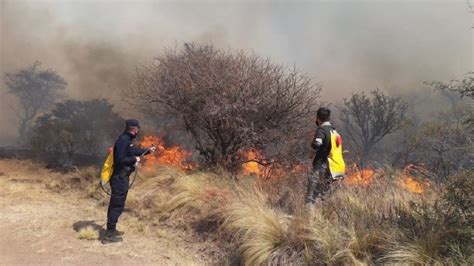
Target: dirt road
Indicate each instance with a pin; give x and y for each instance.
(38, 226)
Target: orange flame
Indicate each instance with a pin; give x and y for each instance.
(268, 171)
(411, 184)
(169, 156)
(177, 157)
(359, 177)
(251, 166)
(364, 177)
(408, 182)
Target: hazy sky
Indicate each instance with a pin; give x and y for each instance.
(346, 45)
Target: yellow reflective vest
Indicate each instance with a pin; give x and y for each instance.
(337, 167)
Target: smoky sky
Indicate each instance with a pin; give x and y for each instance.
(347, 46)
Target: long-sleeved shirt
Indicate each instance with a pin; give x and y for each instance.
(125, 153)
(322, 143)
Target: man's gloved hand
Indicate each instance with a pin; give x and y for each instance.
(152, 149)
(138, 160)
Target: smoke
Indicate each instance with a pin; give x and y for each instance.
(348, 46)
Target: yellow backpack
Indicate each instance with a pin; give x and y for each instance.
(337, 167)
(107, 168)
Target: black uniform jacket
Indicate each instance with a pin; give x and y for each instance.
(125, 153)
(322, 143)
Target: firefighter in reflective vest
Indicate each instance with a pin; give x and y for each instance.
(328, 163)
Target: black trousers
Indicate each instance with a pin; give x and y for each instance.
(119, 186)
(319, 181)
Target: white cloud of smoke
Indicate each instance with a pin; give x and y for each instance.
(347, 45)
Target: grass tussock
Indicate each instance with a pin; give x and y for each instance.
(258, 227)
(380, 223)
(264, 222)
(197, 196)
(88, 233)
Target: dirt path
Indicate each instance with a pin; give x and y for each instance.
(38, 226)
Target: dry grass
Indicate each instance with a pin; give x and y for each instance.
(88, 233)
(354, 225)
(266, 223)
(258, 228)
(33, 213)
(201, 194)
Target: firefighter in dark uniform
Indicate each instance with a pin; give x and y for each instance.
(126, 157)
(320, 179)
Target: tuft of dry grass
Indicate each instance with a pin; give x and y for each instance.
(88, 233)
(258, 228)
(189, 190)
(202, 193)
(379, 223)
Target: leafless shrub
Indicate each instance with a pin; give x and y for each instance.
(227, 101)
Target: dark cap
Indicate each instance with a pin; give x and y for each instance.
(132, 123)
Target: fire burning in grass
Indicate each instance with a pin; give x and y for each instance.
(365, 177)
(359, 177)
(408, 182)
(169, 156)
(411, 184)
(175, 156)
(267, 170)
(252, 166)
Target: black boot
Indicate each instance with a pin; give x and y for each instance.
(119, 233)
(112, 237)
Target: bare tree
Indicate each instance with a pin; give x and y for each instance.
(445, 147)
(407, 143)
(36, 90)
(227, 101)
(367, 120)
(447, 144)
(464, 87)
